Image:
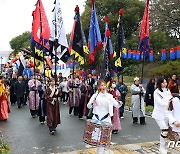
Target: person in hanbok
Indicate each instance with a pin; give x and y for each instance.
(53, 113)
(138, 105)
(4, 106)
(115, 119)
(34, 98)
(102, 103)
(42, 103)
(73, 86)
(162, 98)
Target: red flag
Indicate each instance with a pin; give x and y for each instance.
(40, 27)
(144, 31)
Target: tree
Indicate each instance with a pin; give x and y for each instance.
(21, 41)
(165, 14)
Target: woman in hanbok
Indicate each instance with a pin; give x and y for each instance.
(73, 87)
(4, 107)
(34, 98)
(53, 114)
(115, 119)
(102, 103)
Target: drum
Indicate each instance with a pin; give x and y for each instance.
(97, 133)
(173, 136)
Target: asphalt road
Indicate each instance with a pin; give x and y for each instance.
(27, 136)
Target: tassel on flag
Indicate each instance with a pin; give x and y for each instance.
(94, 40)
(138, 55)
(163, 56)
(151, 55)
(178, 52)
(129, 54)
(134, 54)
(172, 54)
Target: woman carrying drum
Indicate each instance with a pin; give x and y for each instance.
(100, 133)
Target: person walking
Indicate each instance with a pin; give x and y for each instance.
(34, 98)
(12, 84)
(20, 91)
(102, 104)
(162, 98)
(4, 107)
(149, 97)
(53, 114)
(138, 107)
(122, 88)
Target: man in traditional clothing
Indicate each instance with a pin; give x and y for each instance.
(4, 107)
(138, 107)
(53, 115)
(12, 83)
(74, 95)
(20, 91)
(34, 98)
(91, 82)
(173, 86)
(122, 88)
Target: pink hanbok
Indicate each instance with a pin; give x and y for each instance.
(32, 101)
(115, 119)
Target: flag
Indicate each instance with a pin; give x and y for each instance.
(78, 45)
(40, 28)
(134, 54)
(94, 40)
(120, 47)
(143, 45)
(178, 52)
(106, 67)
(163, 54)
(58, 40)
(172, 54)
(129, 55)
(107, 38)
(138, 55)
(151, 55)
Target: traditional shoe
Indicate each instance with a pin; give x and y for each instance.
(42, 122)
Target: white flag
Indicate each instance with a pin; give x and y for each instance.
(57, 29)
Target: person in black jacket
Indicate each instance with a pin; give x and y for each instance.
(20, 91)
(25, 79)
(12, 95)
(149, 98)
(91, 82)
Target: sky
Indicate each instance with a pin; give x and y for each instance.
(16, 17)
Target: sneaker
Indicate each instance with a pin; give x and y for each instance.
(52, 132)
(162, 151)
(81, 118)
(122, 117)
(42, 122)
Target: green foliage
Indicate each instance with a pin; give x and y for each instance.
(4, 147)
(167, 70)
(132, 70)
(21, 41)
